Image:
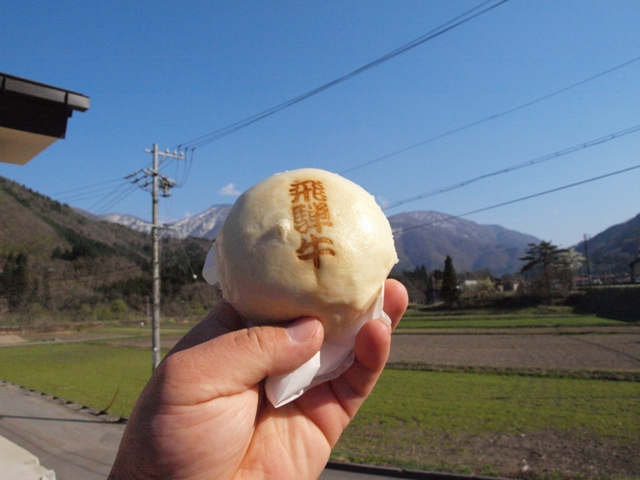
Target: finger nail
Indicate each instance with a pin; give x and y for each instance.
(302, 329)
(384, 318)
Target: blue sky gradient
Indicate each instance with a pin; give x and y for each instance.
(168, 72)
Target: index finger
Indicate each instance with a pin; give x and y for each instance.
(395, 301)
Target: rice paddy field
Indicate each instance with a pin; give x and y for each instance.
(512, 396)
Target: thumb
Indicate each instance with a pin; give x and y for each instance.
(237, 361)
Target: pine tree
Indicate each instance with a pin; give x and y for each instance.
(15, 279)
(449, 290)
(6, 279)
(544, 259)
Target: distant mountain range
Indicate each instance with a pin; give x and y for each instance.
(427, 237)
(422, 238)
(35, 224)
(204, 225)
(612, 250)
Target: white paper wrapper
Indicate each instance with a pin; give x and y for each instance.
(330, 362)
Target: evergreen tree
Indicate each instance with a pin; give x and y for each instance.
(15, 279)
(543, 260)
(6, 280)
(449, 290)
(21, 277)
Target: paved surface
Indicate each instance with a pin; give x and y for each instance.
(329, 474)
(18, 463)
(76, 445)
(71, 441)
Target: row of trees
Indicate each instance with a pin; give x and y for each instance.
(547, 273)
(440, 285)
(86, 274)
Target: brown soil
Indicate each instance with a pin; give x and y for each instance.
(543, 455)
(10, 339)
(595, 351)
(546, 454)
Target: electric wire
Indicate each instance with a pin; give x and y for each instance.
(86, 187)
(490, 117)
(196, 143)
(189, 152)
(529, 163)
(88, 195)
(117, 198)
(450, 25)
(194, 276)
(521, 199)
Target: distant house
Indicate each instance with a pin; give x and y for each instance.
(468, 284)
(498, 284)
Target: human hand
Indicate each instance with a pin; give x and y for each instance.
(204, 415)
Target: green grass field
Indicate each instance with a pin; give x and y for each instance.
(474, 403)
(450, 422)
(91, 373)
(88, 374)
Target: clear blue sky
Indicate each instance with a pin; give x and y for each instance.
(168, 72)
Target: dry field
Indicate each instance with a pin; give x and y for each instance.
(604, 348)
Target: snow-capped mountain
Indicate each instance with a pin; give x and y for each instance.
(421, 238)
(204, 225)
(427, 237)
(127, 220)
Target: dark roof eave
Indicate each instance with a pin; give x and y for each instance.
(28, 88)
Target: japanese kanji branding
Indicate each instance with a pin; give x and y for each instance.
(311, 214)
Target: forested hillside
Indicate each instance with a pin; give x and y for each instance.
(57, 260)
(611, 251)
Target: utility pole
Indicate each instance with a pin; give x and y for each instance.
(159, 182)
(586, 254)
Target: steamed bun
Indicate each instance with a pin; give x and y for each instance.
(304, 243)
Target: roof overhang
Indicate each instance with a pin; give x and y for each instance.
(33, 116)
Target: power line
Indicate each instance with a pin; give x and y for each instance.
(87, 187)
(189, 162)
(100, 192)
(194, 276)
(529, 163)
(490, 117)
(119, 194)
(450, 25)
(432, 34)
(521, 199)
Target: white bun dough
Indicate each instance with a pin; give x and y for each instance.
(304, 243)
